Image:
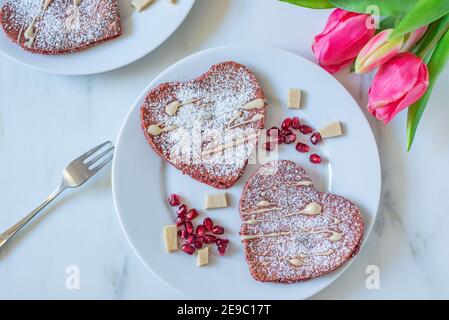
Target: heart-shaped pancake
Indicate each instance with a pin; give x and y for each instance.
(207, 127)
(60, 26)
(290, 231)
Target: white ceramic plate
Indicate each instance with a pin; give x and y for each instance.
(142, 181)
(142, 33)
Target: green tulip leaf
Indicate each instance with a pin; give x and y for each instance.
(422, 13)
(395, 8)
(433, 35)
(314, 4)
(437, 62)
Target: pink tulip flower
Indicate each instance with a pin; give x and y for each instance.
(345, 34)
(399, 83)
(412, 38)
(377, 51)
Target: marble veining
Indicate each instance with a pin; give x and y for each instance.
(57, 117)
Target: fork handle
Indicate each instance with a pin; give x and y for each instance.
(8, 234)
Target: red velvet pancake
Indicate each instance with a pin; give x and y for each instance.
(215, 129)
(60, 26)
(291, 232)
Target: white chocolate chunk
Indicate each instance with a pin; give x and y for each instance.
(154, 130)
(294, 98)
(215, 201)
(172, 108)
(331, 130)
(202, 257)
(141, 4)
(255, 104)
(171, 238)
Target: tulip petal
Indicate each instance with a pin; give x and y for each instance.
(404, 69)
(386, 112)
(378, 51)
(344, 36)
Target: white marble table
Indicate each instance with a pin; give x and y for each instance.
(46, 119)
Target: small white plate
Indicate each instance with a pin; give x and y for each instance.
(141, 181)
(142, 32)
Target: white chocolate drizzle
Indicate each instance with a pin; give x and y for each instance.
(237, 115)
(230, 144)
(255, 104)
(29, 34)
(302, 183)
(299, 260)
(334, 237)
(45, 5)
(257, 117)
(261, 210)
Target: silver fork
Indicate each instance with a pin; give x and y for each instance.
(74, 175)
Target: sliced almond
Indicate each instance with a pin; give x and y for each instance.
(255, 104)
(141, 4)
(294, 99)
(202, 257)
(312, 209)
(331, 130)
(171, 238)
(263, 203)
(154, 130)
(215, 201)
(172, 108)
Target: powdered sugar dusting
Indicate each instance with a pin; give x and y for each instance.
(203, 126)
(318, 243)
(62, 26)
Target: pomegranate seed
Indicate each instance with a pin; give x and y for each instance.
(174, 200)
(192, 214)
(269, 146)
(302, 147)
(295, 123)
(222, 241)
(278, 139)
(198, 244)
(222, 249)
(208, 223)
(191, 238)
(290, 138)
(286, 123)
(314, 158)
(305, 129)
(315, 138)
(208, 238)
(286, 132)
(201, 230)
(189, 227)
(273, 131)
(180, 220)
(183, 234)
(187, 248)
(217, 229)
(200, 239)
(182, 210)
